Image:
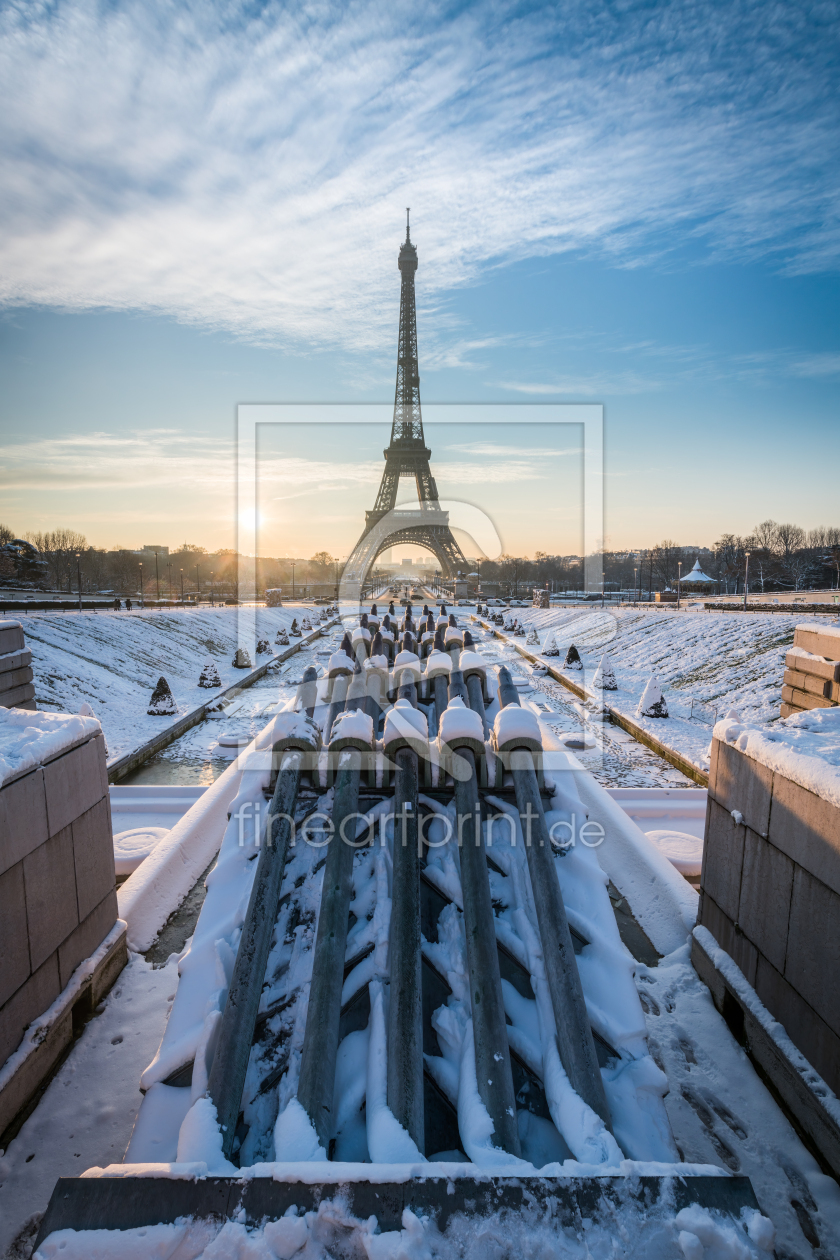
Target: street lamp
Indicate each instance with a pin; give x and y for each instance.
(198, 582)
(142, 597)
(79, 576)
(746, 576)
(212, 589)
(679, 577)
(293, 580)
(335, 561)
(182, 585)
(157, 577)
(169, 567)
(635, 571)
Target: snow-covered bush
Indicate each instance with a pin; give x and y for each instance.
(550, 648)
(272, 597)
(209, 676)
(533, 639)
(263, 647)
(306, 624)
(242, 659)
(605, 675)
(282, 637)
(652, 703)
(162, 703)
(295, 630)
(572, 660)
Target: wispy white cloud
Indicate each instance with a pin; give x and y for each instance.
(245, 167)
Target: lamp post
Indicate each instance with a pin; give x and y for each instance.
(746, 575)
(478, 567)
(335, 562)
(182, 585)
(142, 596)
(79, 576)
(635, 571)
(293, 581)
(212, 589)
(198, 581)
(169, 567)
(679, 578)
(157, 577)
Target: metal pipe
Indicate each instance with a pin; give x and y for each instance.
(476, 701)
(236, 1033)
(408, 690)
(507, 691)
(405, 1019)
(457, 687)
(307, 696)
(492, 1055)
(441, 698)
(341, 685)
(574, 1033)
(320, 1043)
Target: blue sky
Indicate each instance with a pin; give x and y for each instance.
(633, 205)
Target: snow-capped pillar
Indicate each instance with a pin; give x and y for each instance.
(405, 1023)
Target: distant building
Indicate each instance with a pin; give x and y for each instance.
(155, 549)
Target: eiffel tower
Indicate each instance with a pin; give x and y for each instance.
(406, 456)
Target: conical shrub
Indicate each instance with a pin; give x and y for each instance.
(282, 637)
(263, 647)
(605, 675)
(209, 675)
(550, 647)
(242, 659)
(295, 630)
(533, 639)
(162, 703)
(572, 660)
(652, 703)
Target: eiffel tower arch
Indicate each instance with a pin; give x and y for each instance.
(406, 456)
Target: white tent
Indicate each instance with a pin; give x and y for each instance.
(697, 575)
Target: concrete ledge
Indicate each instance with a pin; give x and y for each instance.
(47, 1037)
(138, 1201)
(804, 1094)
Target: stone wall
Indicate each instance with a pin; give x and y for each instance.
(57, 885)
(16, 687)
(770, 895)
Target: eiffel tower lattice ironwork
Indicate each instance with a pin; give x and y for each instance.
(407, 456)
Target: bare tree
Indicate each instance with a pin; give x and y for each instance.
(789, 538)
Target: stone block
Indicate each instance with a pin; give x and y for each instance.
(807, 829)
(808, 1032)
(18, 697)
(833, 692)
(51, 910)
(813, 953)
(93, 855)
(723, 857)
(764, 911)
(11, 637)
(15, 678)
(87, 937)
(821, 640)
(728, 936)
(14, 942)
(23, 818)
(12, 661)
(818, 668)
(787, 710)
(804, 699)
(713, 762)
(27, 1003)
(807, 682)
(75, 782)
(744, 785)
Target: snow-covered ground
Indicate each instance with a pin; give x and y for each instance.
(706, 664)
(112, 661)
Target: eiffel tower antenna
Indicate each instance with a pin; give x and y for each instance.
(407, 455)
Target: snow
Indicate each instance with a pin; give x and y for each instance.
(652, 704)
(515, 723)
(340, 662)
(354, 724)
(403, 721)
(683, 851)
(30, 739)
(112, 660)
(86, 1115)
(804, 747)
(472, 662)
(133, 846)
(459, 722)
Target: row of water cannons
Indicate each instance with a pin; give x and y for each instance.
(431, 658)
